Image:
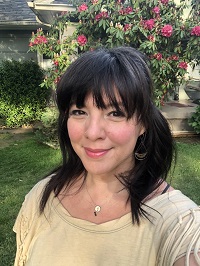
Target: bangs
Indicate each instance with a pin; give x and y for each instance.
(105, 91)
(110, 79)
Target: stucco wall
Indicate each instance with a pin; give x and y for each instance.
(14, 45)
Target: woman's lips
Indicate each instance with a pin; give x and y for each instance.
(96, 153)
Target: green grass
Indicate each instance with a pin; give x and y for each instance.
(25, 161)
(187, 171)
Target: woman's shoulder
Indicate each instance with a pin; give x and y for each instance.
(33, 197)
(178, 222)
(173, 207)
(172, 201)
(38, 188)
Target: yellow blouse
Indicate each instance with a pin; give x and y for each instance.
(55, 238)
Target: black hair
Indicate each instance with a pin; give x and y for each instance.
(102, 72)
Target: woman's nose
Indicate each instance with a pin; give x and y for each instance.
(95, 128)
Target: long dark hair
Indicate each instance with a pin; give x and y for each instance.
(102, 72)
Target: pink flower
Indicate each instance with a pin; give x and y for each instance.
(128, 10)
(82, 7)
(158, 56)
(101, 15)
(31, 44)
(174, 57)
(82, 40)
(127, 27)
(164, 2)
(156, 10)
(39, 40)
(167, 30)
(183, 65)
(98, 17)
(195, 31)
(149, 24)
(151, 38)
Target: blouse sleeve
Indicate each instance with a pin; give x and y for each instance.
(182, 238)
(21, 228)
(27, 222)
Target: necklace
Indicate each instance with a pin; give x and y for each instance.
(97, 208)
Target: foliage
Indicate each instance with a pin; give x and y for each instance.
(194, 120)
(21, 97)
(154, 27)
(48, 132)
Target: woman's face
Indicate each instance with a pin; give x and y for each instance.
(103, 139)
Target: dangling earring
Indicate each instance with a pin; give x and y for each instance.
(141, 151)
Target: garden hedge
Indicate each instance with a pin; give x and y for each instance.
(22, 99)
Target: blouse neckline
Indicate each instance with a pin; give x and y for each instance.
(109, 226)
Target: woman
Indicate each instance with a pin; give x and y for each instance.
(109, 203)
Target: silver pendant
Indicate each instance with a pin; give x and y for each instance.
(97, 209)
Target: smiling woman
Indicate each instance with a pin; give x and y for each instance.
(103, 138)
(109, 203)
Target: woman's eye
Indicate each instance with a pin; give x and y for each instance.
(117, 114)
(77, 112)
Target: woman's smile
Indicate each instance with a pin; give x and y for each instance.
(96, 153)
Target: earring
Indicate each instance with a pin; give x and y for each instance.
(141, 151)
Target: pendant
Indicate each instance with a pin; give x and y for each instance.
(97, 209)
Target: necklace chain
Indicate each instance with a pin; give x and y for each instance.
(97, 208)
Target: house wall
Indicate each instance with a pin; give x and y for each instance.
(14, 45)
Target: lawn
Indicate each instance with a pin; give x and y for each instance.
(24, 161)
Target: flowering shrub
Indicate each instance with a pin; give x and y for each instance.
(156, 27)
(60, 50)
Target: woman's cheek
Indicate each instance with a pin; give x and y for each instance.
(74, 131)
(122, 135)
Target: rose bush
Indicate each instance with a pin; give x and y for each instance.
(156, 27)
